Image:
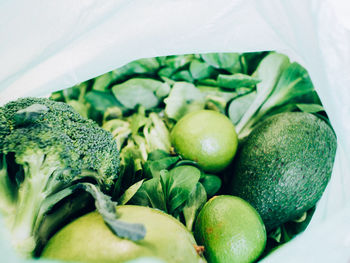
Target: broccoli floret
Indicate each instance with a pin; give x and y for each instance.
(4, 127)
(95, 147)
(47, 152)
(56, 115)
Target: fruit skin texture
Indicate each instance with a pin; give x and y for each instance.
(207, 137)
(284, 165)
(88, 239)
(231, 230)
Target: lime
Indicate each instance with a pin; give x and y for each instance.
(88, 239)
(206, 137)
(230, 230)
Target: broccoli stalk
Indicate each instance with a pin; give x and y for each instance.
(39, 182)
(7, 193)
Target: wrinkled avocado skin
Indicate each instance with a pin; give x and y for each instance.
(283, 167)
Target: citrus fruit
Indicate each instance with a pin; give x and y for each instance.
(230, 230)
(206, 137)
(88, 239)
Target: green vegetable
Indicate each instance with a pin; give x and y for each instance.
(283, 85)
(137, 91)
(284, 165)
(194, 204)
(227, 61)
(183, 99)
(170, 190)
(237, 80)
(48, 152)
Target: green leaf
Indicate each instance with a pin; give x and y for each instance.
(293, 84)
(239, 106)
(251, 60)
(183, 75)
(211, 183)
(144, 66)
(269, 71)
(151, 194)
(154, 167)
(181, 182)
(208, 82)
(183, 98)
(138, 91)
(107, 209)
(157, 154)
(130, 170)
(101, 101)
(129, 193)
(310, 108)
(137, 120)
(166, 72)
(194, 204)
(156, 134)
(237, 80)
(102, 82)
(187, 162)
(221, 60)
(200, 70)
(178, 61)
(216, 93)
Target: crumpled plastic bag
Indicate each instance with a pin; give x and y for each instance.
(52, 45)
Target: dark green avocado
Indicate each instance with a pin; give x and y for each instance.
(284, 165)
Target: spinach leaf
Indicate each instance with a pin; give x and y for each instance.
(130, 192)
(101, 100)
(239, 106)
(152, 168)
(144, 66)
(179, 61)
(151, 194)
(194, 204)
(237, 80)
(208, 82)
(310, 108)
(102, 82)
(138, 91)
(156, 134)
(228, 61)
(269, 72)
(170, 190)
(166, 72)
(180, 182)
(183, 75)
(183, 98)
(200, 70)
(294, 83)
(211, 184)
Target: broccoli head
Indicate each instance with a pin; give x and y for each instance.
(95, 148)
(47, 151)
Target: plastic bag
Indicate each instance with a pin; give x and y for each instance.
(53, 45)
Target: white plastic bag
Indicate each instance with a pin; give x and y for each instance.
(52, 45)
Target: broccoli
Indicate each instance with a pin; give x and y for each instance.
(48, 152)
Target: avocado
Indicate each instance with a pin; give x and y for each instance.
(283, 166)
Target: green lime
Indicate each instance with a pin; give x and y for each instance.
(88, 239)
(206, 137)
(230, 230)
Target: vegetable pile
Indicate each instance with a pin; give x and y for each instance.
(140, 154)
